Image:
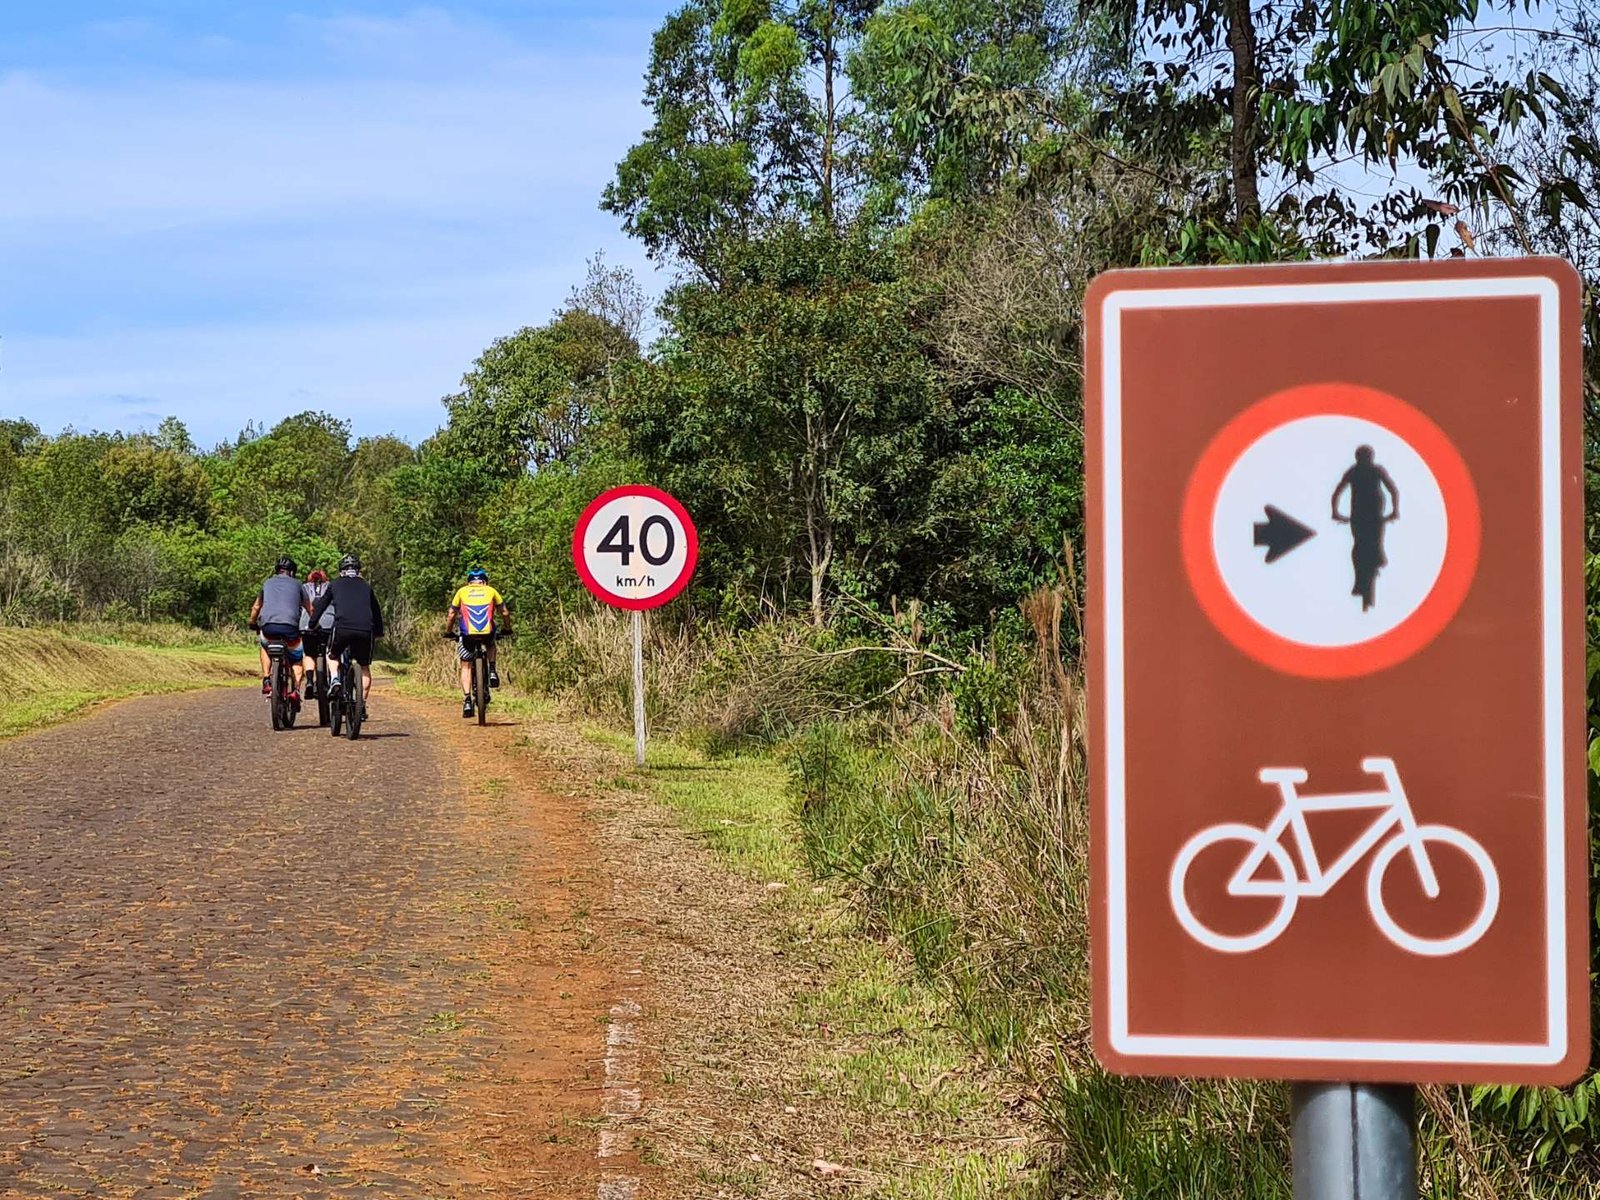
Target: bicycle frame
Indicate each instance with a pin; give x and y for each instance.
(1319, 881)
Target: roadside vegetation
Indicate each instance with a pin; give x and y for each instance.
(864, 381)
(47, 674)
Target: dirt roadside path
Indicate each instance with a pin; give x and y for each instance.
(218, 979)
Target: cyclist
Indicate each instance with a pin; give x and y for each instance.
(472, 617)
(276, 614)
(315, 636)
(357, 621)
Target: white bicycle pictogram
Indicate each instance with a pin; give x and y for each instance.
(1395, 822)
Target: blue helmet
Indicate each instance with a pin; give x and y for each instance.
(477, 575)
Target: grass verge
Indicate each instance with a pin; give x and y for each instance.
(807, 1056)
(855, 1060)
(48, 675)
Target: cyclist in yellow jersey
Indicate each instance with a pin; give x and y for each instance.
(478, 613)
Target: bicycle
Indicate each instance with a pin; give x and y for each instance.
(1395, 822)
(284, 710)
(348, 704)
(479, 650)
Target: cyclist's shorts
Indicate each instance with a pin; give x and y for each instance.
(316, 641)
(468, 641)
(360, 645)
(287, 636)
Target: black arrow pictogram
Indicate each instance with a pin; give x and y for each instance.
(1280, 533)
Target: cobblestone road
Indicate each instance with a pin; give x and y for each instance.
(242, 964)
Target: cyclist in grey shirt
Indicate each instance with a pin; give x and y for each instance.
(276, 613)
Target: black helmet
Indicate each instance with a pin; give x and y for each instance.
(287, 564)
(350, 562)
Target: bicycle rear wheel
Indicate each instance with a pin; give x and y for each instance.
(323, 715)
(1433, 839)
(290, 712)
(279, 700)
(355, 710)
(336, 710)
(1253, 920)
(480, 686)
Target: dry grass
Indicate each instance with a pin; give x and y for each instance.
(47, 674)
(715, 690)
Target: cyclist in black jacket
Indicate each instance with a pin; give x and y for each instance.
(357, 620)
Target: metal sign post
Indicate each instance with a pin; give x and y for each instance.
(1354, 1141)
(638, 687)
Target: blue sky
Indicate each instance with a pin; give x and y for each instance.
(233, 212)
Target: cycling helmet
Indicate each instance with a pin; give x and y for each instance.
(477, 575)
(287, 564)
(350, 562)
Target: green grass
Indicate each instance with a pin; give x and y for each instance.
(974, 1176)
(882, 1048)
(48, 675)
(740, 805)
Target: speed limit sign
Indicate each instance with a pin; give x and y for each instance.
(635, 547)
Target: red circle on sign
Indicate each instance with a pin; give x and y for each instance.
(691, 538)
(1461, 545)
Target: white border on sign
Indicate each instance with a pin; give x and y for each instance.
(1326, 1049)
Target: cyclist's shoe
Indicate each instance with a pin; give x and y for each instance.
(266, 685)
(466, 706)
(333, 686)
(494, 677)
(294, 698)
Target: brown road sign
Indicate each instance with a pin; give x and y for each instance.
(1337, 663)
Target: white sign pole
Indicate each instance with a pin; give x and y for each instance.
(638, 687)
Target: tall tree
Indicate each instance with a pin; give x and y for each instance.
(749, 126)
(942, 84)
(530, 397)
(792, 407)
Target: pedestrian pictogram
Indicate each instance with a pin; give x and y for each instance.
(1337, 672)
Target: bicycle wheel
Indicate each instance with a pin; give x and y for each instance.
(1248, 906)
(480, 686)
(323, 715)
(289, 710)
(336, 708)
(355, 705)
(1434, 836)
(279, 701)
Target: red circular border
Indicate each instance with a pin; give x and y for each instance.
(1461, 545)
(601, 592)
